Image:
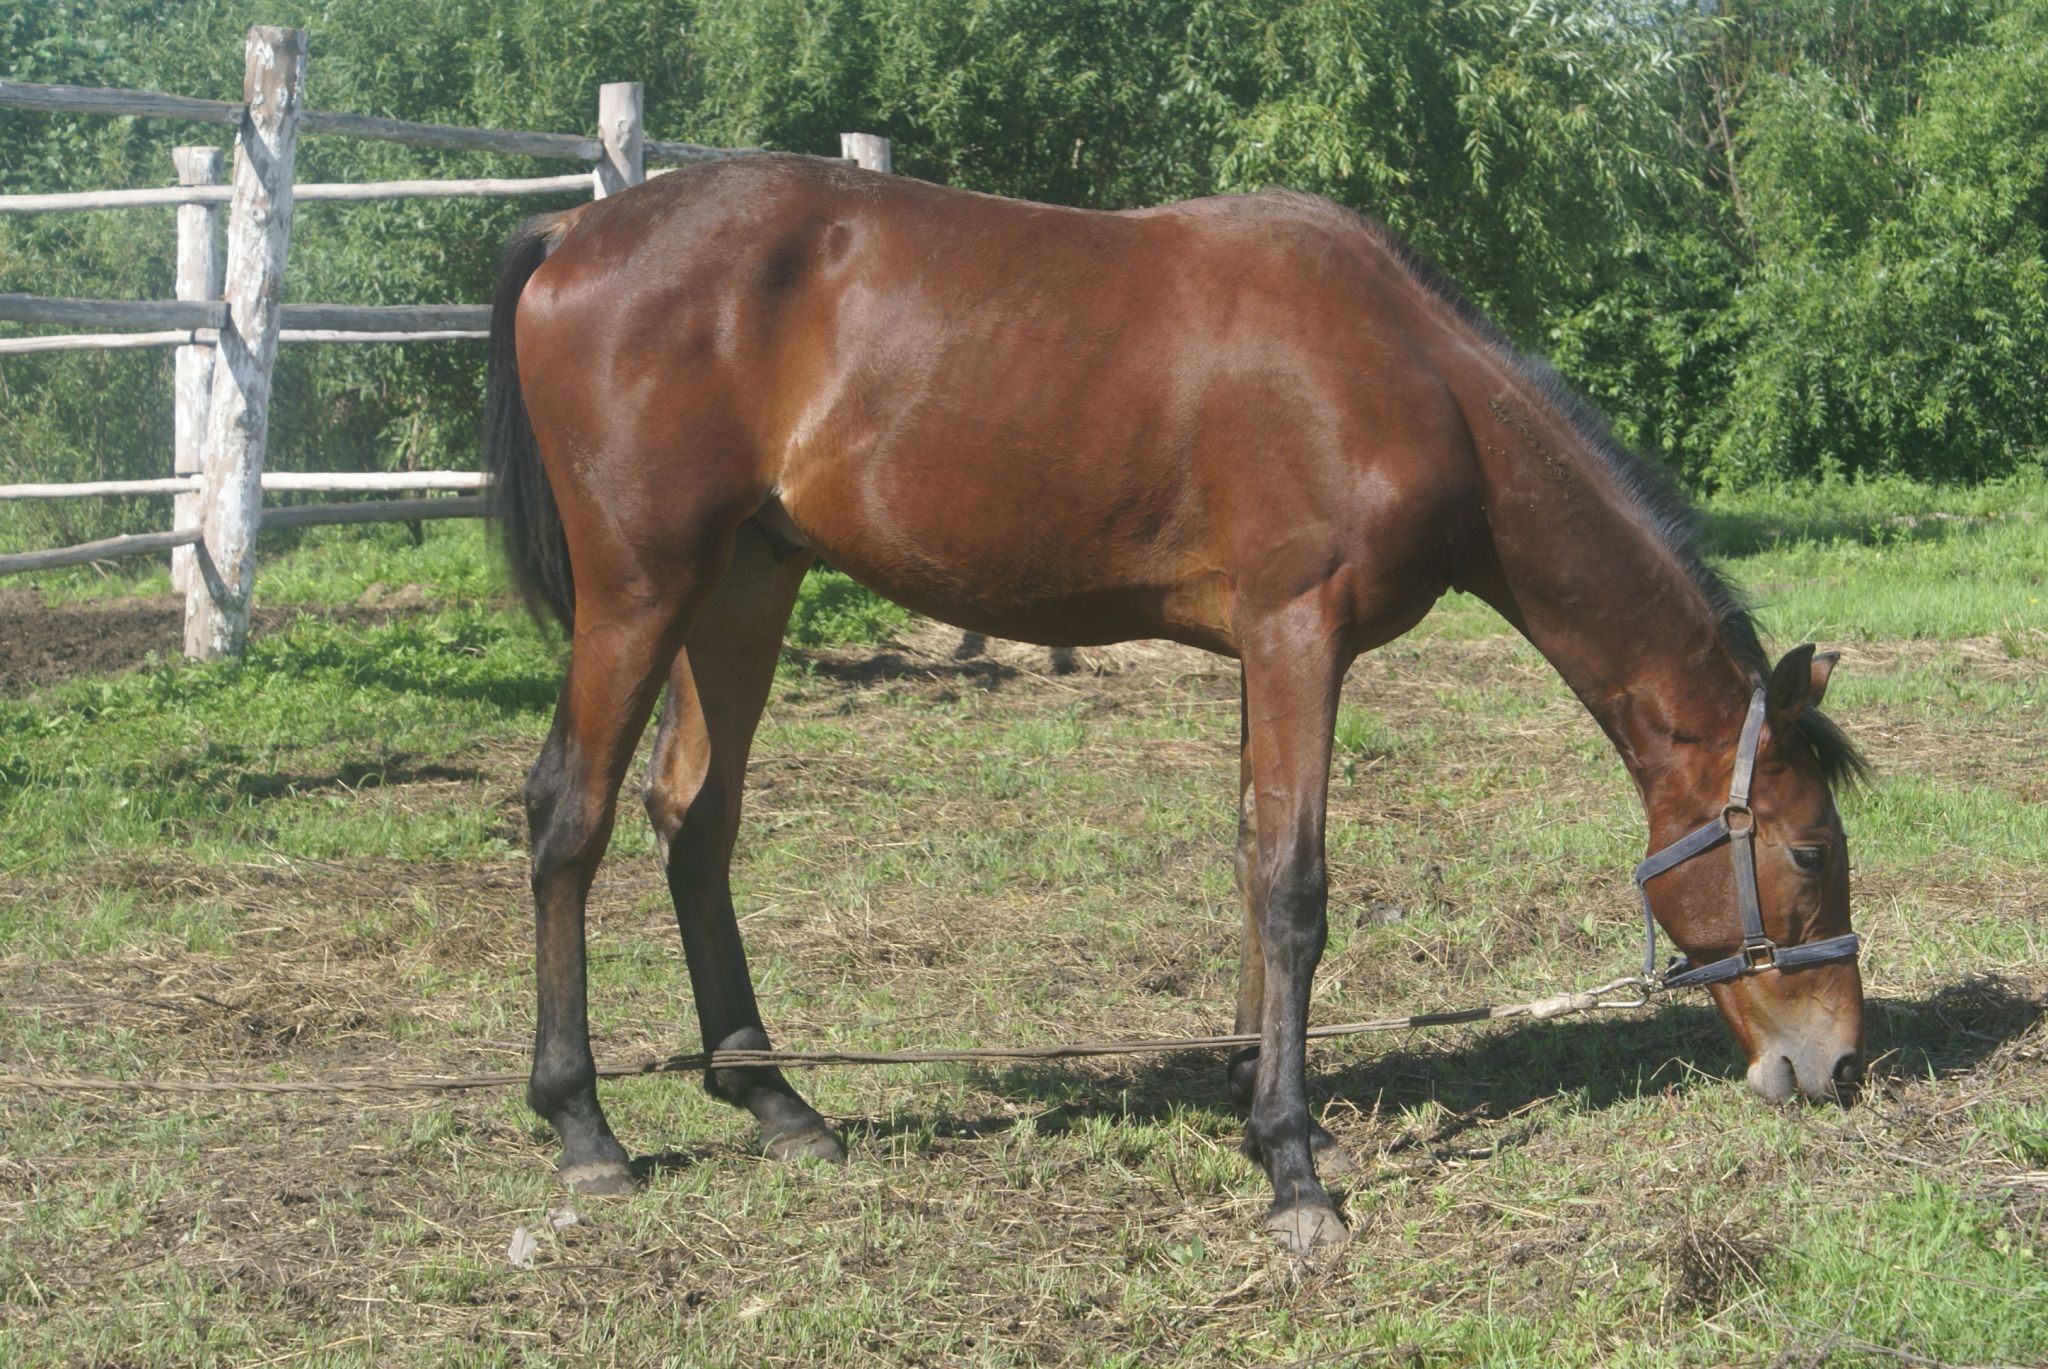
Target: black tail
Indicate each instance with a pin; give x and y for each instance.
(529, 524)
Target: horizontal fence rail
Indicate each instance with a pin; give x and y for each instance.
(317, 192)
(366, 482)
(208, 337)
(283, 516)
(665, 150)
(281, 482)
(146, 104)
(375, 511)
(114, 313)
(151, 105)
(290, 335)
(226, 322)
(453, 137)
(213, 314)
(447, 137)
(132, 544)
(104, 489)
(113, 342)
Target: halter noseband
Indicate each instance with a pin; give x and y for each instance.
(1737, 826)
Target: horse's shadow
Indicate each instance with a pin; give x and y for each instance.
(1472, 1080)
(888, 667)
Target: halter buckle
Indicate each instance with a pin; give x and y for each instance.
(1759, 956)
(1742, 811)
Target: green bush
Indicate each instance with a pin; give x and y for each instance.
(1787, 238)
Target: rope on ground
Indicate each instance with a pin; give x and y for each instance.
(1541, 1009)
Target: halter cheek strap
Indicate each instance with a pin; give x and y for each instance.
(1737, 826)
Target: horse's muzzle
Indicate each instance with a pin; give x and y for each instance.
(1821, 1073)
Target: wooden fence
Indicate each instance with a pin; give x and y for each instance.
(226, 322)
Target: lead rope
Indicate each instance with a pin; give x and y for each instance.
(1630, 991)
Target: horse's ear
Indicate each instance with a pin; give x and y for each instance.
(1801, 681)
(1824, 664)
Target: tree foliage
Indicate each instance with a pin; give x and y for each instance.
(1773, 238)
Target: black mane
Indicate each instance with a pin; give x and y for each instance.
(1663, 508)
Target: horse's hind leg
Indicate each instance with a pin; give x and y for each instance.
(717, 688)
(621, 644)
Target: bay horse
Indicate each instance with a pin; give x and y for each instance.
(1251, 424)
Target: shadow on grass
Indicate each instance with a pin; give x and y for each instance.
(1492, 1075)
(882, 666)
(222, 770)
(398, 770)
(647, 1168)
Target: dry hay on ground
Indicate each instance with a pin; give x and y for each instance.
(340, 967)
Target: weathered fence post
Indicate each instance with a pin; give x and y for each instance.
(238, 418)
(624, 139)
(870, 150)
(198, 278)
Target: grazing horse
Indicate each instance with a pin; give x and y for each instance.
(1255, 425)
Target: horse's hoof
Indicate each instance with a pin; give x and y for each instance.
(805, 1143)
(603, 1178)
(1306, 1229)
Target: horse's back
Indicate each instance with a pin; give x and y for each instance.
(1045, 422)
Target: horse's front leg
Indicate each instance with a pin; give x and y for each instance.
(1294, 669)
(1243, 1066)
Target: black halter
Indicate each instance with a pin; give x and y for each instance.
(1737, 827)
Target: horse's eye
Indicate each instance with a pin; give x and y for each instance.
(1812, 859)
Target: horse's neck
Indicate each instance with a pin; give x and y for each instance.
(1599, 592)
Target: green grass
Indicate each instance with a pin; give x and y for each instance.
(310, 863)
(1873, 560)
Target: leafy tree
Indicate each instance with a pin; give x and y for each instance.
(1774, 238)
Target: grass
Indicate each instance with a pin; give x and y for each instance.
(310, 863)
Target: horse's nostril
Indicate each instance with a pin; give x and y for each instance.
(1849, 1071)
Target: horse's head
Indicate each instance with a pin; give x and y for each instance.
(1787, 984)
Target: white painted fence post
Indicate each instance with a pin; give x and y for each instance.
(869, 150)
(623, 136)
(199, 277)
(238, 418)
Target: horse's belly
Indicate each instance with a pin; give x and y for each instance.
(1041, 575)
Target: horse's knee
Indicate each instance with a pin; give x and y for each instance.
(1294, 921)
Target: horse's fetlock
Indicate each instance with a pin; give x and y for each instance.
(1242, 1072)
(1268, 1136)
(559, 1083)
(735, 1086)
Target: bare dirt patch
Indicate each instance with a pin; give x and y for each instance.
(44, 644)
